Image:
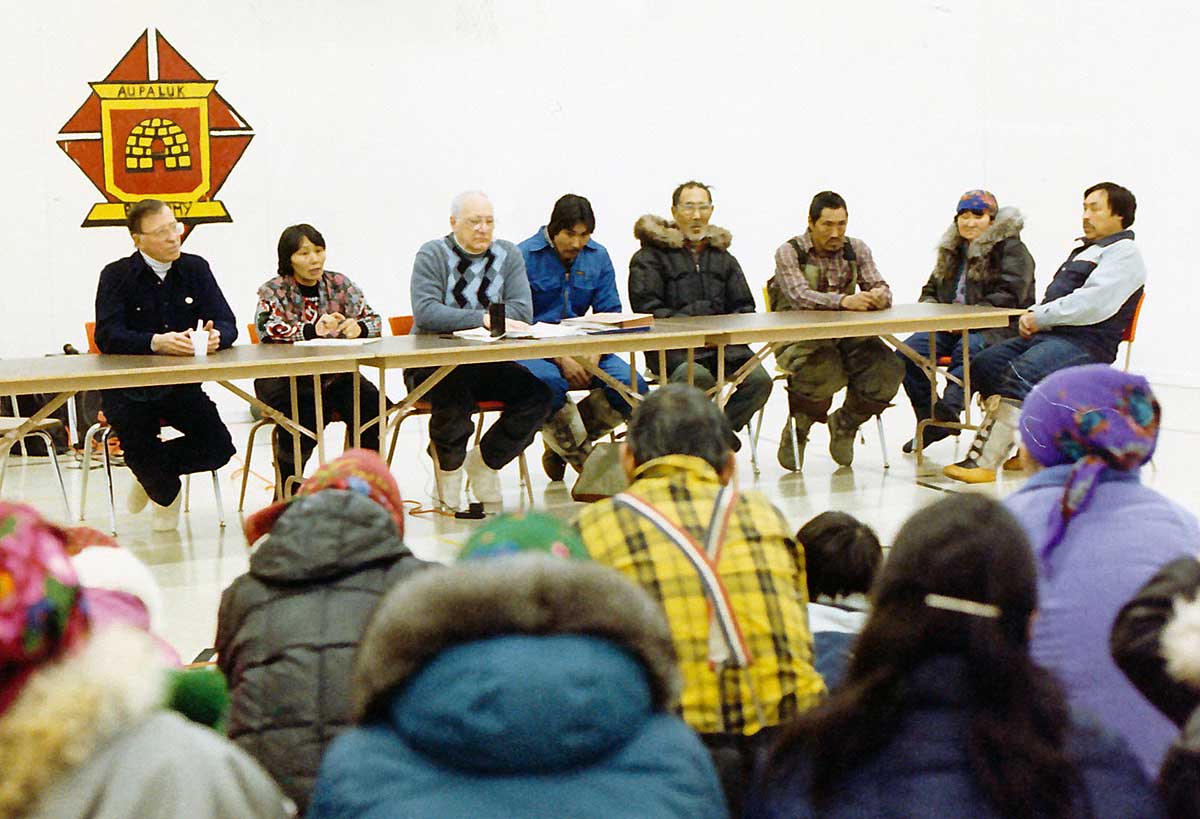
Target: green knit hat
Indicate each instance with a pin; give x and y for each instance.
(524, 532)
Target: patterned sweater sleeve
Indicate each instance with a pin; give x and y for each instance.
(271, 318)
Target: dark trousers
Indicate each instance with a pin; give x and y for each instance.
(916, 382)
(337, 397)
(748, 397)
(738, 759)
(1012, 368)
(137, 416)
(526, 407)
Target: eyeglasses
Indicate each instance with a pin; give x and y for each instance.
(173, 229)
(694, 207)
(480, 221)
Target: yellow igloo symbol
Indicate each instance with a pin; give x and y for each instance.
(157, 138)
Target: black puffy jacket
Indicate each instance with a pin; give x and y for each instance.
(287, 630)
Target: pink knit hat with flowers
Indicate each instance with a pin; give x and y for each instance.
(42, 615)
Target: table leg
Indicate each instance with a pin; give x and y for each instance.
(966, 342)
(720, 374)
(382, 421)
(691, 367)
(296, 421)
(319, 426)
(357, 439)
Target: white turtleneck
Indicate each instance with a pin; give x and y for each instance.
(160, 268)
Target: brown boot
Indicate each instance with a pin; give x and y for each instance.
(791, 447)
(844, 424)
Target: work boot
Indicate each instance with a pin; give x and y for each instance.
(934, 434)
(483, 480)
(553, 464)
(844, 424)
(993, 441)
(842, 432)
(791, 450)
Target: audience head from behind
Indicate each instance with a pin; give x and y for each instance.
(944, 653)
(571, 226)
(841, 555)
(472, 221)
(301, 252)
(154, 229)
(678, 419)
(524, 675)
(82, 718)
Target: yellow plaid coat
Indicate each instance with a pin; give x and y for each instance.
(762, 568)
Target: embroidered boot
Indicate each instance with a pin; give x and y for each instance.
(566, 442)
(993, 441)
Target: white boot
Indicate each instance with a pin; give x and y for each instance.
(137, 498)
(166, 518)
(483, 480)
(449, 488)
(993, 442)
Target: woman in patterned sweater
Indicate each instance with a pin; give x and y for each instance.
(306, 301)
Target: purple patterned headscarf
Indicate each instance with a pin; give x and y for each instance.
(1095, 417)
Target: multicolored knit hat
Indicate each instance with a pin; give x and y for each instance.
(356, 470)
(977, 200)
(1095, 417)
(525, 532)
(42, 614)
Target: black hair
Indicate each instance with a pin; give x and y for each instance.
(678, 419)
(824, 200)
(140, 210)
(971, 548)
(1121, 201)
(568, 212)
(689, 184)
(841, 554)
(289, 243)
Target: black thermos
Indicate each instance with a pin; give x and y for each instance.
(496, 318)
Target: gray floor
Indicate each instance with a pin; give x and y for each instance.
(194, 564)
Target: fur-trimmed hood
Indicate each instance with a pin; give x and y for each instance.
(1180, 642)
(521, 594)
(1007, 225)
(655, 230)
(69, 709)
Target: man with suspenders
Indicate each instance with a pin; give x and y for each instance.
(824, 269)
(726, 570)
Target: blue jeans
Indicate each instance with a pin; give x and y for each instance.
(916, 382)
(1014, 367)
(548, 373)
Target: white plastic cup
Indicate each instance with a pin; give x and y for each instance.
(199, 342)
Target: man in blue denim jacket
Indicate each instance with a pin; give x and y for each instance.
(570, 274)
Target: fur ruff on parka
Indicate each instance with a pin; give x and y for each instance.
(662, 232)
(522, 594)
(1007, 225)
(69, 709)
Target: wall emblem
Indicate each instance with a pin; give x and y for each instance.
(155, 128)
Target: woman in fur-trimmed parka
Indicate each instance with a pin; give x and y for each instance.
(980, 260)
(525, 685)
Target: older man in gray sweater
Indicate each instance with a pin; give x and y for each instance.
(455, 280)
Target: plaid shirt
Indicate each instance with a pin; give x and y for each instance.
(762, 568)
(834, 272)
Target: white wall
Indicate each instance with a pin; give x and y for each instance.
(371, 115)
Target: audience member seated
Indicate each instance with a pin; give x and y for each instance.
(943, 712)
(1098, 534)
(824, 269)
(685, 533)
(1156, 642)
(148, 303)
(1082, 317)
(980, 260)
(287, 630)
(303, 302)
(83, 731)
(570, 274)
(518, 685)
(684, 268)
(455, 279)
(841, 555)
